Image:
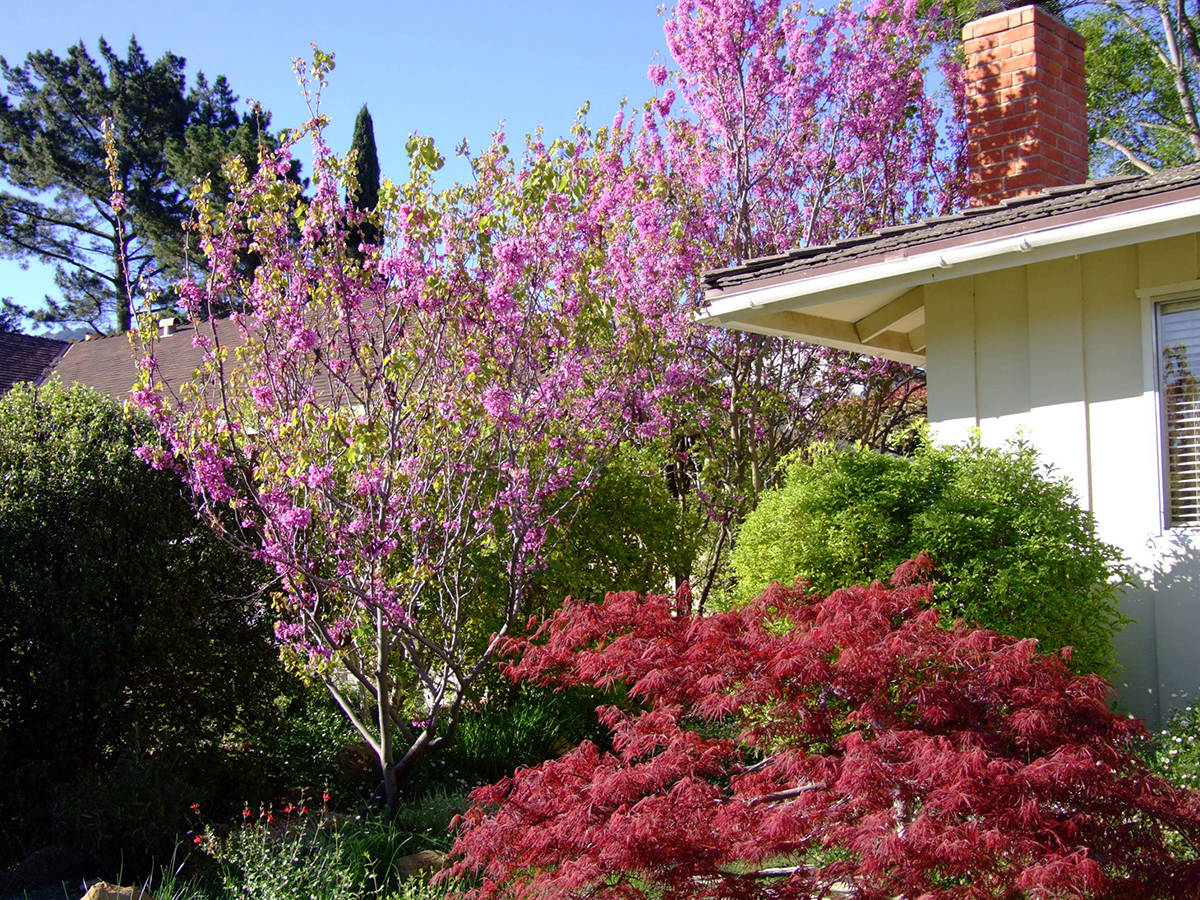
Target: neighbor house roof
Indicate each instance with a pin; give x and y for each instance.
(26, 357)
(109, 364)
(861, 293)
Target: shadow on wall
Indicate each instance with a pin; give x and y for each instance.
(1160, 651)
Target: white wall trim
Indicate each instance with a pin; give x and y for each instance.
(1151, 297)
(908, 271)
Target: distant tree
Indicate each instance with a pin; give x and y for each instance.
(58, 208)
(1143, 73)
(811, 746)
(365, 189)
(10, 315)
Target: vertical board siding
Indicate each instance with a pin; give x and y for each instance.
(1002, 352)
(1058, 419)
(950, 359)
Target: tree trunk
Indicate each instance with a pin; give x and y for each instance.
(123, 310)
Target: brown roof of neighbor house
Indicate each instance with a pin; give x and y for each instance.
(109, 364)
(26, 357)
(1062, 204)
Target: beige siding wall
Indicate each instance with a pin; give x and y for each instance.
(1061, 353)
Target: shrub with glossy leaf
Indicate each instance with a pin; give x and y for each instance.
(1013, 549)
(130, 638)
(806, 745)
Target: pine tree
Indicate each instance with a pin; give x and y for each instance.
(58, 209)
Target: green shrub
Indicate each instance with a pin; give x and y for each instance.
(628, 535)
(309, 861)
(1013, 549)
(132, 641)
(517, 727)
(297, 856)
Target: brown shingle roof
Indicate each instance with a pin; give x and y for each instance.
(109, 364)
(1091, 198)
(26, 357)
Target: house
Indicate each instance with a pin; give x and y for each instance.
(108, 364)
(1054, 308)
(26, 357)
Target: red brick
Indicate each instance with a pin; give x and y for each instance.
(977, 45)
(1026, 116)
(1017, 63)
(990, 25)
(1019, 33)
(1027, 179)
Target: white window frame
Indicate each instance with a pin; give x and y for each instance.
(1152, 299)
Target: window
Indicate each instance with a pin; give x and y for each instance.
(1179, 385)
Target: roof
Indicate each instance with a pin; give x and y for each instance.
(26, 357)
(109, 364)
(867, 294)
(1083, 200)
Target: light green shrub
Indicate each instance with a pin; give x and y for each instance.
(1012, 548)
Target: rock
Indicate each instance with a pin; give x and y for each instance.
(102, 890)
(425, 861)
(47, 867)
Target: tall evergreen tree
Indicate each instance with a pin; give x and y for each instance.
(366, 177)
(57, 206)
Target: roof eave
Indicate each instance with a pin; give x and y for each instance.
(736, 306)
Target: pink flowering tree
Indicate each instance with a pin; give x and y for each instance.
(402, 432)
(781, 128)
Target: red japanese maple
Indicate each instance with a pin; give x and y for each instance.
(808, 745)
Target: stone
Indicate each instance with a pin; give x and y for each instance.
(425, 861)
(47, 867)
(102, 890)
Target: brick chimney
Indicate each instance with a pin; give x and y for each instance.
(1026, 105)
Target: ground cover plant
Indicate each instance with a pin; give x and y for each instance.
(806, 742)
(1013, 549)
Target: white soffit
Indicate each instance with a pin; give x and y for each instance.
(740, 305)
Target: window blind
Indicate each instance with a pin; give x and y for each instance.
(1179, 368)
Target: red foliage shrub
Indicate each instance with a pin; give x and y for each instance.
(806, 743)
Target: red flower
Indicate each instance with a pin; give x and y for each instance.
(246, 813)
(195, 806)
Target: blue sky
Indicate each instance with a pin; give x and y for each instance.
(450, 69)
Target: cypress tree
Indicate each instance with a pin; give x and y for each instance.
(366, 175)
